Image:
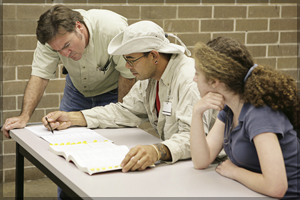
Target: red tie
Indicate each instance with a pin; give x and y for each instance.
(157, 99)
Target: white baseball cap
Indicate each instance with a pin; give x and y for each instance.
(144, 36)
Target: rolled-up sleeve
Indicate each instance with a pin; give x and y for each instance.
(44, 62)
(129, 113)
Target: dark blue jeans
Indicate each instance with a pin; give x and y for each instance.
(73, 100)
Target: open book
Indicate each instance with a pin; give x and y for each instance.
(88, 150)
(92, 157)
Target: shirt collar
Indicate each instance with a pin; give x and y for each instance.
(245, 110)
(168, 74)
(90, 47)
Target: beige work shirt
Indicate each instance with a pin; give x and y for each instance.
(177, 87)
(96, 72)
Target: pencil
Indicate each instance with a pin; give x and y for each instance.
(49, 124)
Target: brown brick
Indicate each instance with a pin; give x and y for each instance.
(288, 37)
(14, 87)
(9, 147)
(47, 101)
(289, 11)
(181, 26)
(283, 24)
(9, 103)
(37, 116)
(182, 1)
(284, 1)
(143, 1)
(30, 173)
(195, 12)
(51, 110)
(55, 86)
(9, 161)
(282, 50)
(257, 51)
(270, 62)
(216, 25)
(287, 63)
(26, 42)
(158, 12)
(262, 37)
(252, 1)
(9, 42)
(263, 11)
(24, 72)
(107, 1)
(251, 24)
(132, 12)
(9, 11)
(230, 12)
(159, 22)
(12, 58)
(9, 114)
(22, 1)
(9, 73)
(33, 173)
(19, 27)
(192, 39)
(239, 36)
(85, 6)
(218, 1)
(9, 175)
(291, 72)
(26, 11)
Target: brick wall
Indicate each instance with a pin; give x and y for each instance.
(267, 27)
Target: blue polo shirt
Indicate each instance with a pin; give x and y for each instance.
(241, 150)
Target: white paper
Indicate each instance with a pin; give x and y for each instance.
(69, 135)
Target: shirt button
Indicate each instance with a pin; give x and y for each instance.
(84, 86)
(84, 78)
(83, 67)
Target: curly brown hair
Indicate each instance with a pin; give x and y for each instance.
(56, 19)
(228, 60)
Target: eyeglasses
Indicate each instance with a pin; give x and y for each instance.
(130, 62)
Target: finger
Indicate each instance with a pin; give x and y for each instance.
(145, 165)
(52, 117)
(63, 125)
(129, 156)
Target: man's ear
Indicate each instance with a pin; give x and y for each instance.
(155, 56)
(79, 25)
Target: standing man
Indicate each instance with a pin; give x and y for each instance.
(79, 39)
(164, 95)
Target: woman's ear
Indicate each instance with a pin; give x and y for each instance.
(215, 83)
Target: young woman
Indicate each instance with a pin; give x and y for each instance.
(256, 123)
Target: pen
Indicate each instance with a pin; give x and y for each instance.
(49, 124)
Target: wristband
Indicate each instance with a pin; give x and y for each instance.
(156, 151)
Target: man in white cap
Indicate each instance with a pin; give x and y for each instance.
(164, 95)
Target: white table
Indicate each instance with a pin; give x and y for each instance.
(176, 180)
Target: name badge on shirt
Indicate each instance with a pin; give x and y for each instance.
(167, 108)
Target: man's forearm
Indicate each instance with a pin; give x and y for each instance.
(33, 94)
(124, 87)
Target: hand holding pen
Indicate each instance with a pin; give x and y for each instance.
(49, 125)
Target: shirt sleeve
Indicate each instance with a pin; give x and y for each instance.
(129, 113)
(44, 62)
(222, 114)
(264, 119)
(179, 143)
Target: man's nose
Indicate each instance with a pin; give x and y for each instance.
(65, 52)
(128, 66)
